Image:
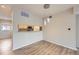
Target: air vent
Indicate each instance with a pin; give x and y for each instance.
(24, 13)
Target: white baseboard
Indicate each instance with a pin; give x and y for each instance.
(62, 45)
(25, 45)
(47, 41)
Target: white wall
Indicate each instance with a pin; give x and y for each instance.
(21, 39)
(76, 11)
(77, 30)
(57, 30)
(2, 16)
(5, 34)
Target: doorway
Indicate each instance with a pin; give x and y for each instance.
(5, 29)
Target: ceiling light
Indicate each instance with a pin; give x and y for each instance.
(46, 6)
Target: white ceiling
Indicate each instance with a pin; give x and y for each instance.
(38, 9)
(5, 12)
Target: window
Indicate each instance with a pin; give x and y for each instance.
(6, 27)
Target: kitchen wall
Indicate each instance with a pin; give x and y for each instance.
(56, 31)
(21, 39)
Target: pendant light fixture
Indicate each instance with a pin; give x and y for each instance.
(46, 6)
(47, 20)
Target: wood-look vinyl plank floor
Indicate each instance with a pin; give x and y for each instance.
(44, 48)
(39, 48)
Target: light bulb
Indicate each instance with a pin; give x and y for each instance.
(45, 22)
(48, 20)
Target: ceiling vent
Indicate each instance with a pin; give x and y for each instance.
(46, 6)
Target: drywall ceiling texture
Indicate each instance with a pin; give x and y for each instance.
(56, 31)
(41, 12)
(21, 39)
(5, 12)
